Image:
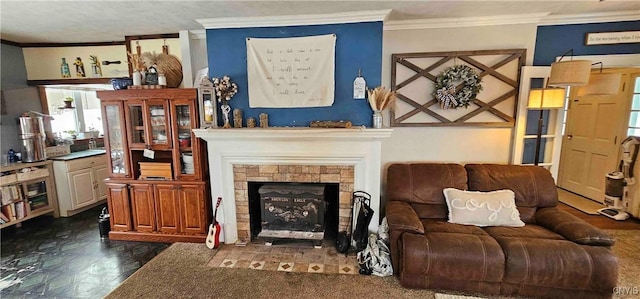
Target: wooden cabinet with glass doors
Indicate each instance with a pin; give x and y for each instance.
(154, 126)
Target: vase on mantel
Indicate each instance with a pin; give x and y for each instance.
(225, 112)
(377, 119)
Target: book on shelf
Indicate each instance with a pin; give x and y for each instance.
(37, 204)
(3, 217)
(13, 212)
(11, 194)
(20, 210)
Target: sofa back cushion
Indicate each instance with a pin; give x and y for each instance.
(533, 186)
(421, 185)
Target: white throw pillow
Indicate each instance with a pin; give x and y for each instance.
(494, 208)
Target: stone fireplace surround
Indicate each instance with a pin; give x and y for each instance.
(349, 157)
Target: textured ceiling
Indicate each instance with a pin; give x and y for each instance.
(104, 21)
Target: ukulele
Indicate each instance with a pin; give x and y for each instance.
(213, 238)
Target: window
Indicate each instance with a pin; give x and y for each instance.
(634, 117)
(85, 116)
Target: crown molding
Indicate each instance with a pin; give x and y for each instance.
(465, 22)
(198, 34)
(295, 20)
(601, 17)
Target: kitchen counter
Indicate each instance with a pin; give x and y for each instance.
(80, 154)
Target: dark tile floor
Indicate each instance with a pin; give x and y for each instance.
(65, 258)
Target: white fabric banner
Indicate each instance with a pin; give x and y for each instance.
(291, 72)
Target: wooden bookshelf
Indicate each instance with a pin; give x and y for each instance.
(27, 194)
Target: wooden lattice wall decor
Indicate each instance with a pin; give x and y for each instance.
(413, 78)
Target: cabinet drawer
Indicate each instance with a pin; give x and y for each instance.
(86, 162)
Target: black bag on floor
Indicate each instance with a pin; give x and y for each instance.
(362, 201)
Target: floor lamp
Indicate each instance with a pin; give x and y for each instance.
(544, 98)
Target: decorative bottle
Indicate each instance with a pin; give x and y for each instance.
(64, 69)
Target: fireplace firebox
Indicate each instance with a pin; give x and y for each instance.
(292, 211)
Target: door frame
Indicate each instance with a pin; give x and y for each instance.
(528, 73)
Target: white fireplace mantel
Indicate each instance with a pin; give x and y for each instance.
(360, 147)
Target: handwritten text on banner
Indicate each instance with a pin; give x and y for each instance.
(291, 72)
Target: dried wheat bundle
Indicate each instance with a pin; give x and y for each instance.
(380, 98)
(167, 64)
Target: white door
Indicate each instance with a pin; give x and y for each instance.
(101, 173)
(81, 184)
(591, 142)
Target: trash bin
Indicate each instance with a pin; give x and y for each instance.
(103, 223)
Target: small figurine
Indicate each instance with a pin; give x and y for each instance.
(79, 67)
(64, 69)
(96, 69)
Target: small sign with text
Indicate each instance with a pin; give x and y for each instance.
(610, 38)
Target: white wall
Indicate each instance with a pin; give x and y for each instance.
(451, 144)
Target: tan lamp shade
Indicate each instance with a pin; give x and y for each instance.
(570, 73)
(601, 84)
(546, 98)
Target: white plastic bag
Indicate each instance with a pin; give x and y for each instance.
(376, 257)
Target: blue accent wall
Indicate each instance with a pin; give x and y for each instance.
(358, 46)
(553, 41)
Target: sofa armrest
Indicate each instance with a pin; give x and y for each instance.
(572, 227)
(402, 217)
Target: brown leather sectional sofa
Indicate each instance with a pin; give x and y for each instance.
(555, 255)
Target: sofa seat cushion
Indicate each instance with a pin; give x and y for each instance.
(529, 231)
(558, 264)
(453, 256)
(441, 226)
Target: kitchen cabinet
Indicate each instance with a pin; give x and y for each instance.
(155, 126)
(27, 190)
(80, 181)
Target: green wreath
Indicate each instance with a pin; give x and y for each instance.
(446, 82)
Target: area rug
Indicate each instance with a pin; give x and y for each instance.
(450, 296)
(181, 271)
(578, 202)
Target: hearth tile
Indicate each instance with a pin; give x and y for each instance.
(291, 249)
(263, 249)
(331, 260)
(247, 256)
(286, 266)
(299, 258)
(275, 257)
(260, 257)
(234, 254)
(222, 252)
(242, 264)
(256, 265)
(271, 266)
(216, 261)
(228, 263)
(277, 249)
(315, 268)
(288, 256)
(346, 269)
(331, 268)
(301, 267)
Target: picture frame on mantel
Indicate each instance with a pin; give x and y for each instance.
(612, 38)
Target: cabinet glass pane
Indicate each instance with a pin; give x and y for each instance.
(137, 124)
(115, 137)
(158, 124)
(184, 138)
